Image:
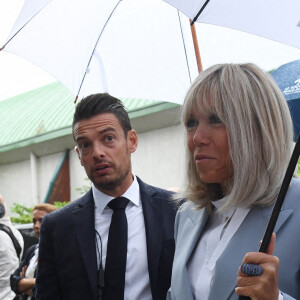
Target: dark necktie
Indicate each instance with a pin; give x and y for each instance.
(115, 266)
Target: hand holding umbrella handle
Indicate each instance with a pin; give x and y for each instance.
(279, 201)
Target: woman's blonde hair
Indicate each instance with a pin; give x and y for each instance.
(47, 207)
(259, 128)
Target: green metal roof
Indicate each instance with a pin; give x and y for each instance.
(47, 112)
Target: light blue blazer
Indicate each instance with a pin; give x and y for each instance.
(190, 223)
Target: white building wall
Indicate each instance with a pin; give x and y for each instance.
(77, 175)
(159, 159)
(15, 183)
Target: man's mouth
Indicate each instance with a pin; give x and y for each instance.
(102, 169)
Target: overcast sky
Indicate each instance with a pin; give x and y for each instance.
(217, 45)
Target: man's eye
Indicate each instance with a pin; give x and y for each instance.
(214, 119)
(191, 123)
(83, 145)
(109, 138)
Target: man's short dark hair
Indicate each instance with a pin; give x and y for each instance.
(101, 103)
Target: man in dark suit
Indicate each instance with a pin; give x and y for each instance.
(73, 255)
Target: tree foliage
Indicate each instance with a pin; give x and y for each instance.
(23, 214)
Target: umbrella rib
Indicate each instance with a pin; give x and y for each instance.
(24, 25)
(200, 11)
(185, 53)
(95, 49)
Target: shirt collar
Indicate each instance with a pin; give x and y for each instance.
(101, 200)
(219, 203)
(240, 213)
(224, 215)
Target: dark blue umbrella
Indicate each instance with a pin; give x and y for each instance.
(287, 78)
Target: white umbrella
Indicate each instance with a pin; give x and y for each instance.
(130, 48)
(277, 20)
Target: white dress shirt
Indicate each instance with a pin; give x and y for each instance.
(9, 261)
(137, 282)
(29, 273)
(215, 237)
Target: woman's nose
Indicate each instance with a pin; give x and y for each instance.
(201, 135)
(37, 224)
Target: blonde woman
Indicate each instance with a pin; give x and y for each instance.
(239, 140)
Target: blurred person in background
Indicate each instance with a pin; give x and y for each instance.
(23, 279)
(11, 249)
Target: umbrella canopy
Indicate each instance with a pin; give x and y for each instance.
(273, 19)
(287, 78)
(130, 48)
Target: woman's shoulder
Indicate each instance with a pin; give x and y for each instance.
(295, 182)
(291, 200)
(294, 189)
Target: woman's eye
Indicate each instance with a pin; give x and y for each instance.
(214, 119)
(191, 123)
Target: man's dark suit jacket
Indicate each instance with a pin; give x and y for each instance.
(67, 267)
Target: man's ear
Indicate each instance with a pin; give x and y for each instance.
(132, 140)
(78, 153)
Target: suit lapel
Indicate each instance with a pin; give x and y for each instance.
(153, 226)
(84, 224)
(246, 239)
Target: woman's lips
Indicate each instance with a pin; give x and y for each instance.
(200, 158)
(203, 160)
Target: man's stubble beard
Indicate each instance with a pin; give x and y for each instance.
(112, 184)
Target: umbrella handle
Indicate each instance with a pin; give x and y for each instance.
(279, 201)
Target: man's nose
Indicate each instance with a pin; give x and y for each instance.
(98, 150)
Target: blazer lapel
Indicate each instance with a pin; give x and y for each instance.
(198, 220)
(153, 226)
(246, 239)
(84, 225)
(189, 234)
